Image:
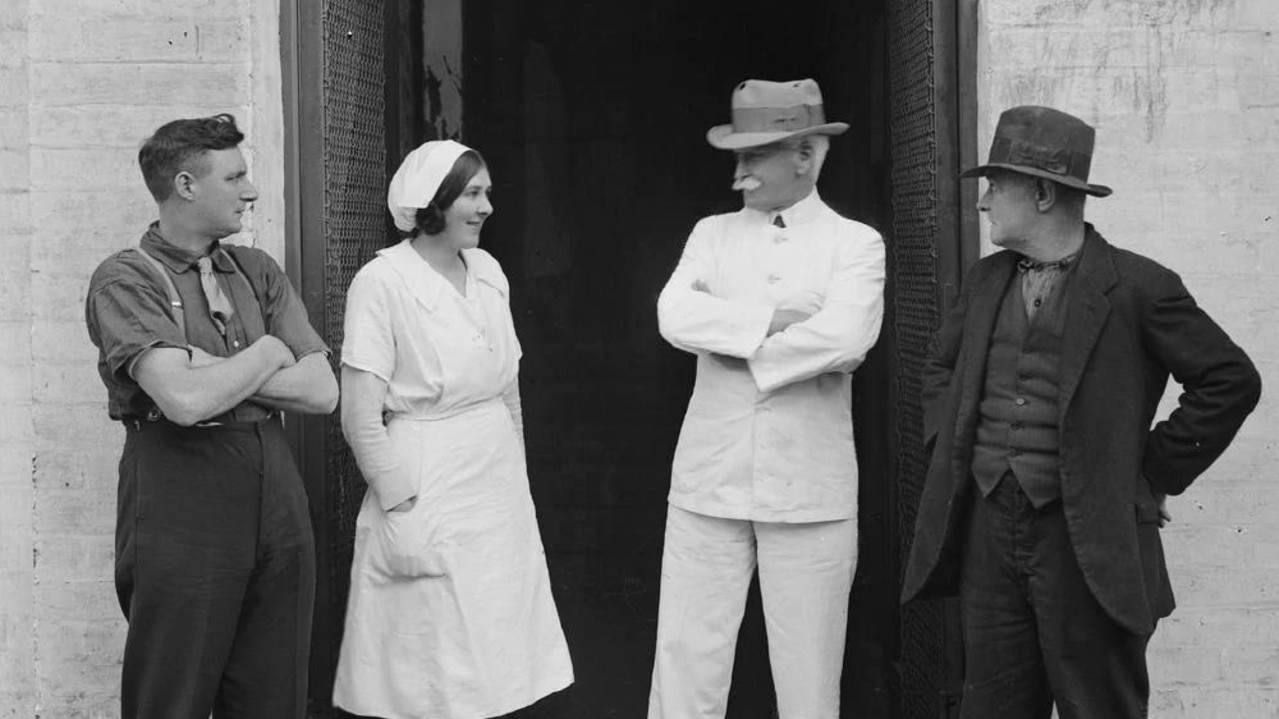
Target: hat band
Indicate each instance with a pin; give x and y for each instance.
(777, 119)
(1059, 161)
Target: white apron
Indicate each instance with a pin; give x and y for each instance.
(450, 614)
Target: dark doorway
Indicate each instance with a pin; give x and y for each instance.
(592, 116)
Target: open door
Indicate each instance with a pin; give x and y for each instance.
(592, 117)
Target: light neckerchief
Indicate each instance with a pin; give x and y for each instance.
(1026, 264)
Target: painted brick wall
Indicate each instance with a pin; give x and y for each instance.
(1185, 98)
(82, 82)
(16, 435)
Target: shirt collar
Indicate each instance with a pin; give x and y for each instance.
(1026, 264)
(178, 259)
(802, 212)
(424, 282)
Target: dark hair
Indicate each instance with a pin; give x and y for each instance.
(430, 219)
(180, 145)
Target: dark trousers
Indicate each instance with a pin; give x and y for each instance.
(215, 571)
(1033, 633)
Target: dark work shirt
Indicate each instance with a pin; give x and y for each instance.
(127, 311)
(1039, 281)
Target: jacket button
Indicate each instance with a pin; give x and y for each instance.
(1021, 401)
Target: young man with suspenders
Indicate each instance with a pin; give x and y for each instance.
(201, 346)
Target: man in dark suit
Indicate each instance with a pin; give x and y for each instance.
(1046, 488)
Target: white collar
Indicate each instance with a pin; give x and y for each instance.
(425, 284)
(802, 212)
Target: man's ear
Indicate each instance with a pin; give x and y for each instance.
(804, 159)
(1045, 194)
(182, 183)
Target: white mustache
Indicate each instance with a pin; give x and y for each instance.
(747, 184)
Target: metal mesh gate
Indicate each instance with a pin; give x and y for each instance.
(351, 93)
(354, 227)
(918, 123)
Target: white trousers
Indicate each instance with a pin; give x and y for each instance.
(805, 574)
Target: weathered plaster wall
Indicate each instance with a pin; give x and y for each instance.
(1185, 98)
(82, 82)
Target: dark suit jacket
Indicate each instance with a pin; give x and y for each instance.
(1130, 324)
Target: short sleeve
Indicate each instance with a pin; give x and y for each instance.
(368, 343)
(285, 315)
(127, 317)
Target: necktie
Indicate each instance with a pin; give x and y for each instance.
(220, 308)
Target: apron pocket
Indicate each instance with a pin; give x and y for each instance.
(404, 546)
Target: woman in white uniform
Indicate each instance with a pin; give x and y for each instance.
(450, 613)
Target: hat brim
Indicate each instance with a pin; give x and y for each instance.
(983, 170)
(722, 136)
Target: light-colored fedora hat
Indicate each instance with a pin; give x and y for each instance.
(765, 112)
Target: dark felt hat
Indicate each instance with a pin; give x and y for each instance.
(1043, 142)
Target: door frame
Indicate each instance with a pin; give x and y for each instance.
(954, 69)
(301, 56)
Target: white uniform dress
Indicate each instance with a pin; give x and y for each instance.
(450, 613)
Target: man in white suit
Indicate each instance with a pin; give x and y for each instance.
(780, 301)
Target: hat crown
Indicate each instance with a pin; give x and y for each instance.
(1047, 128)
(770, 94)
(765, 106)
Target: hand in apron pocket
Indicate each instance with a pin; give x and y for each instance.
(405, 544)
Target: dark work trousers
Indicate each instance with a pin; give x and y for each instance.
(1033, 633)
(215, 571)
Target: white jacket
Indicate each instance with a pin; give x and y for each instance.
(768, 434)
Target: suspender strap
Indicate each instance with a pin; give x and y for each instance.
(175, 300)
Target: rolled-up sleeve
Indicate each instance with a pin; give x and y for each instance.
(699, 322)
(126, 317)
(837, 337)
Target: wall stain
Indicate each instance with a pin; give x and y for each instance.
(1158, 30)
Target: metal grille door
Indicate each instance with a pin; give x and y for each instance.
(354, 214)
(335, 68)
(927, 253)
